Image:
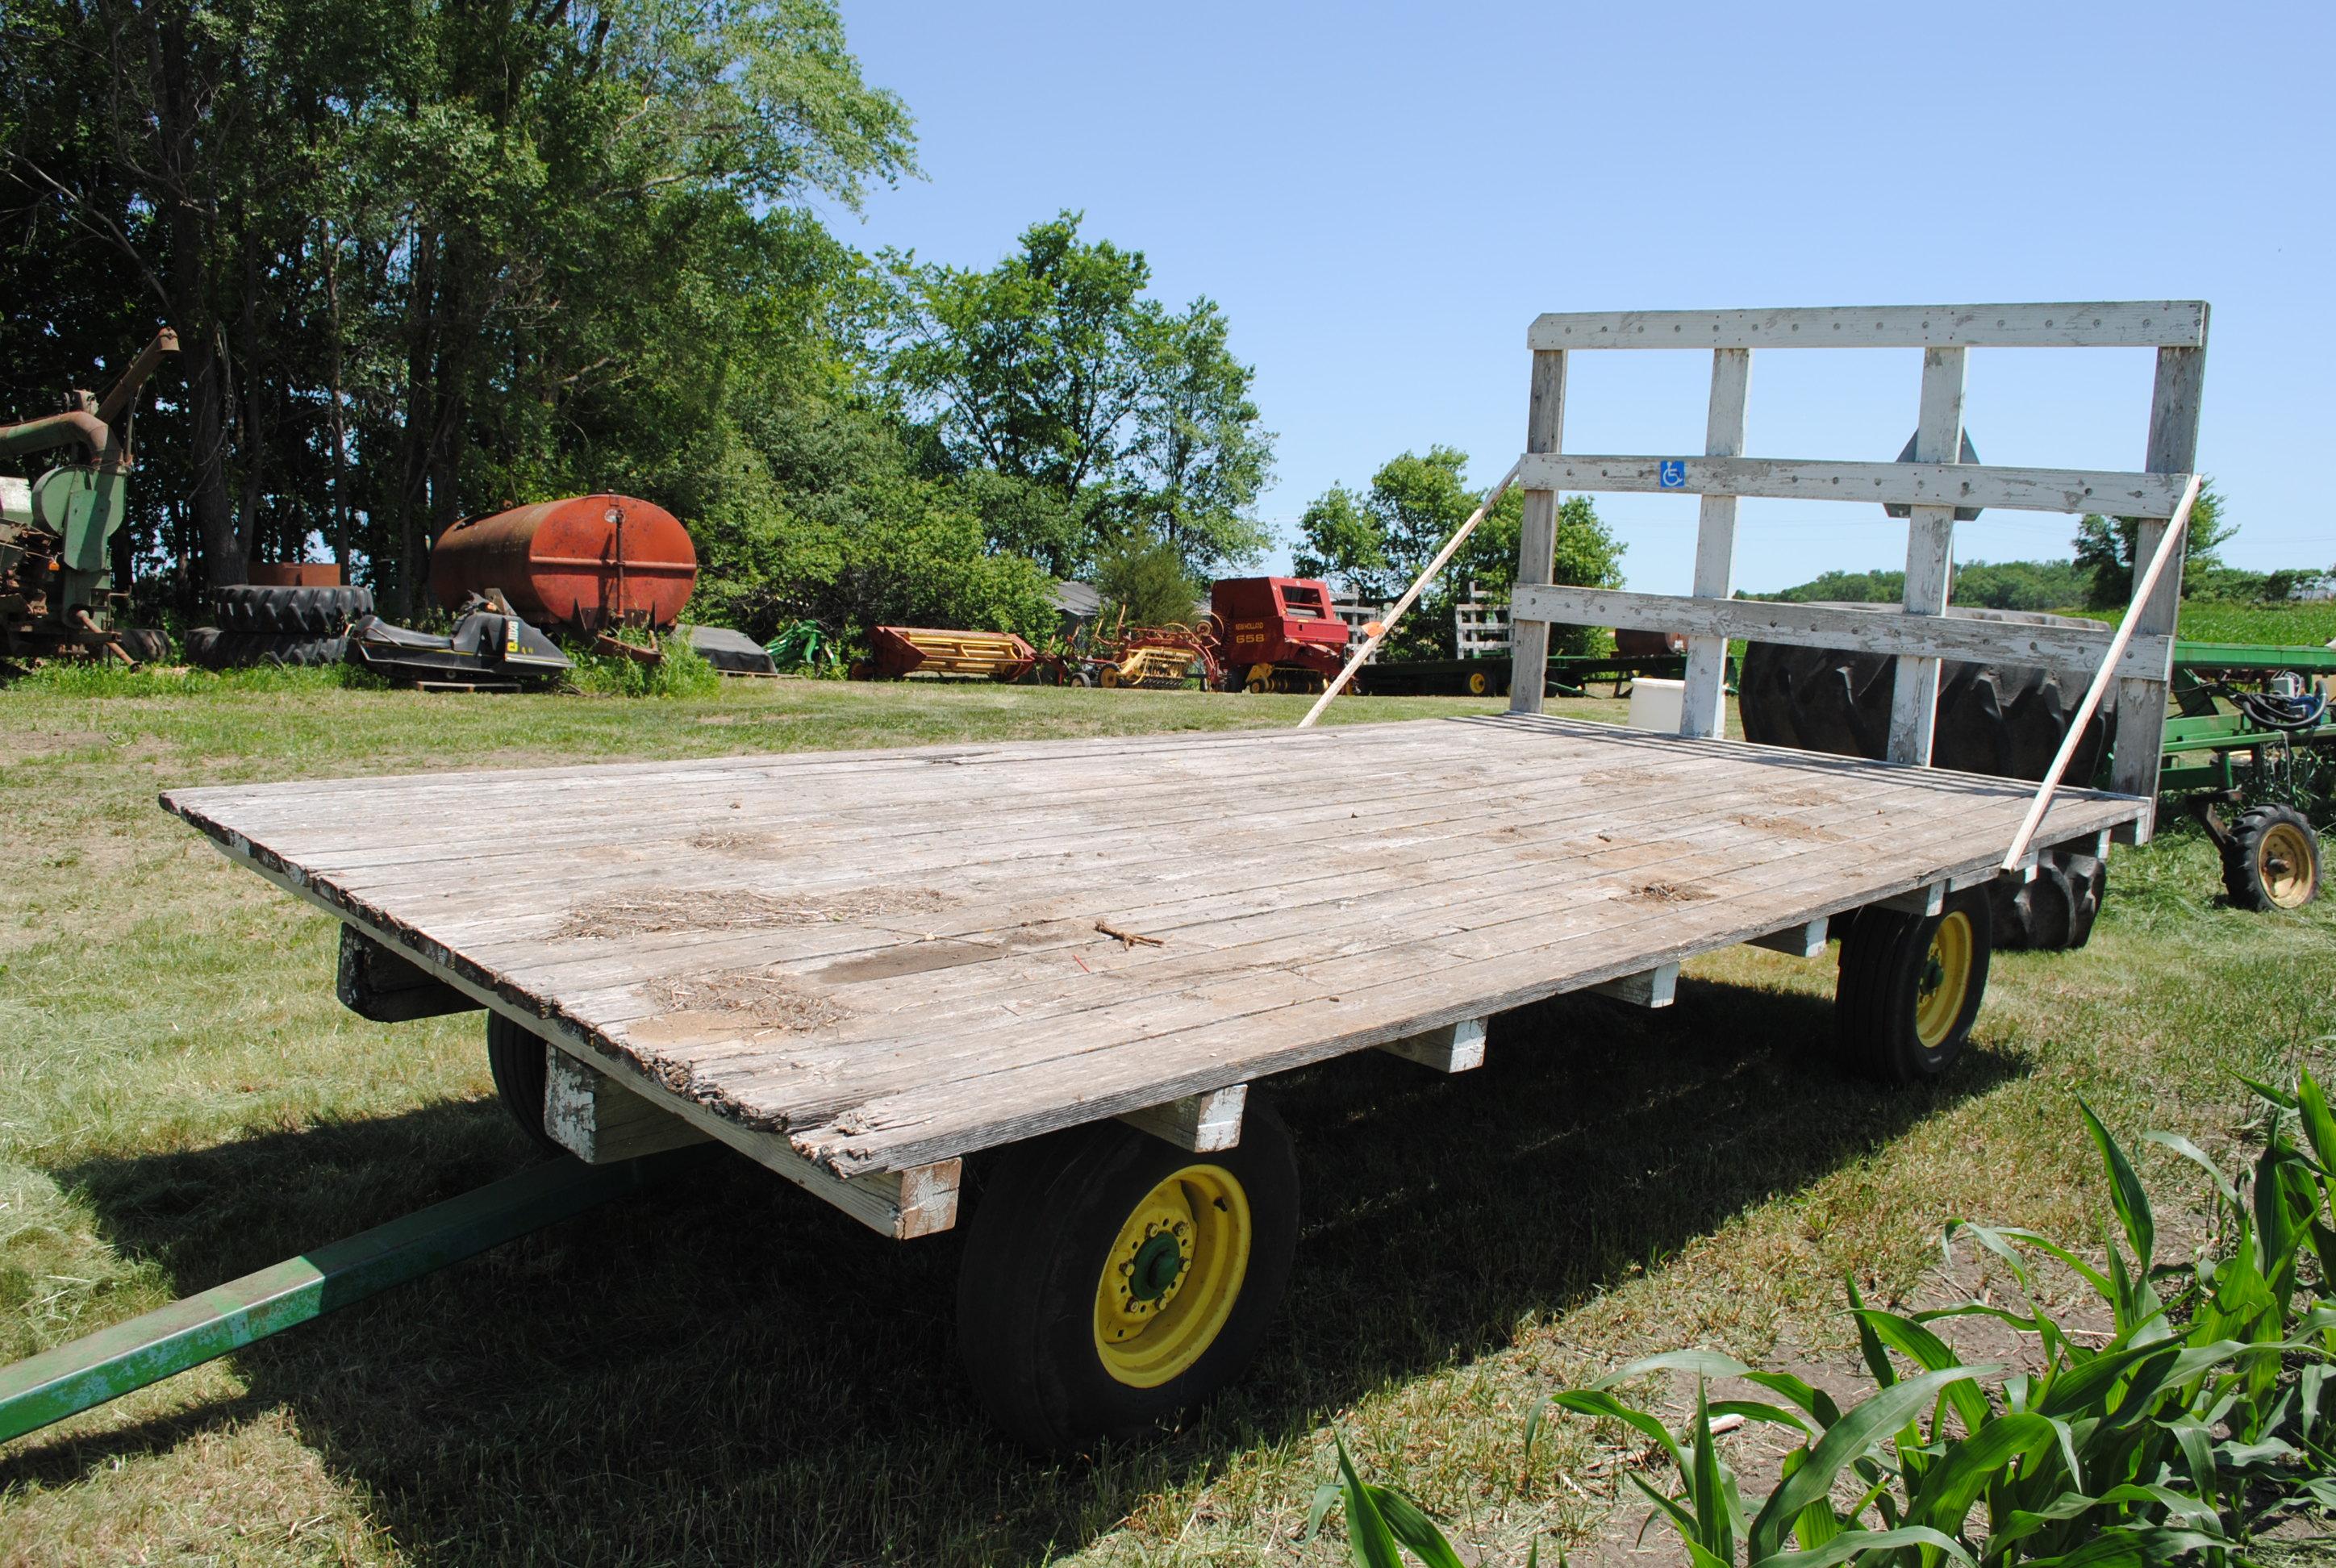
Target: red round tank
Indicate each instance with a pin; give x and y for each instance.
(588, 562)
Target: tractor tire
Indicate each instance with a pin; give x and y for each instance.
(224, 649)
(144, 644)
(2054, 911)
(2004, 720)
(291, 611)
(521, 1073)
(1910, 987)
(1110, 1280)
(2272, 860)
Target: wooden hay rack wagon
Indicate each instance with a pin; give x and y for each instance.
(863, 970)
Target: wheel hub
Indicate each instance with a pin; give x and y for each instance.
(2283, 864)
(1172, 1276)
(1944, 983)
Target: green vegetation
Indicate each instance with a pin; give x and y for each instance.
(1373, 542)
(428, 261)
(733, 1373)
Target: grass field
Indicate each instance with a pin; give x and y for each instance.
(733, 1373)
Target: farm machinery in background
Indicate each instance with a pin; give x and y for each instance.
(58, 598)
(2246, 732)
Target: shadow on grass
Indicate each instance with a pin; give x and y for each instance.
(727, 1371)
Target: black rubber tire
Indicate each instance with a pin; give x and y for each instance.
(1884, 955)
(2249, 852)
(2056, 910)
(1036, 1249)
(291, 611)
(522, 1071)
(144, 644)
(2003, 720)
(233, 649)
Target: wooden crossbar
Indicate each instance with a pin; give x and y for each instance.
(1950, 485)
(1882, 629)
(2126, 324)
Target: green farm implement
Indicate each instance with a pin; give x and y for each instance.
(2254, 728)
(58, 596)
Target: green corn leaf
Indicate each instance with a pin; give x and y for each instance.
(2084, 1390)
(2280, 1097)
(1955, 1483)
(2042, 1243)
(1715, 1534)
(1326, 1497)
(2319, 1126)
(1368, 1540)
(1817, 1524)
(1598, 1402)
(2126, 1194)
(2132, 1546)
(1858, 1430)
(1702, 1363)
(1816, 1401)
(1415, 1529)
(1682, 1520)
(1930, 1352)
(1877, 1359)
(2196, 1156)
(2197, 1445)
(1855, 1542)
(1760, 1410)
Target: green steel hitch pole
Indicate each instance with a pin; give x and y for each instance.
(111, 1362)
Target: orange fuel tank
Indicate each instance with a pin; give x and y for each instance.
(588, 562)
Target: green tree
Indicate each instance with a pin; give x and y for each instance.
(2105, 545)
(1141, 577)
(1375, 543)
(1054, 370)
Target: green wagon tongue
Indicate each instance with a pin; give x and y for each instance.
(111, 1362)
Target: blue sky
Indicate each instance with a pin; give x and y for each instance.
(1382, 197)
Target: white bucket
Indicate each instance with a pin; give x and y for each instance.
(1655, 703)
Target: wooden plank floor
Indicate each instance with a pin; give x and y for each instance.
(893, 957)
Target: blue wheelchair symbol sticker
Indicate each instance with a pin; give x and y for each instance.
(1674, 474)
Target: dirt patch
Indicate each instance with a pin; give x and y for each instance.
(770, 997)
(1667, 893)
(658, 909)
(21, 746)
(1618, 778)
(910, 959)
(1802, 796)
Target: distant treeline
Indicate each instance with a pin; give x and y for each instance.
(2099, 576)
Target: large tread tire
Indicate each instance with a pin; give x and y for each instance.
(2000, 720)
(521, 1072)
(1887, 985)
(2272, 860)
(291, 611)
(2004, 720)
(236, 650)
(1046, 1231)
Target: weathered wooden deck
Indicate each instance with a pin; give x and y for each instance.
(892, 958)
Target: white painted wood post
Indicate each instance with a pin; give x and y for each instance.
(2174, 409)
(1703, 706)
(1930, 555)
(1537, 534)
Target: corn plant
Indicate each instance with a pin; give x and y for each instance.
(2207, 1413)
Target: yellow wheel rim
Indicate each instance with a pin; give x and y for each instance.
(1945, 983)
(1110, 676)
(2284, 864)
(1172, 1276)
(1479, 683)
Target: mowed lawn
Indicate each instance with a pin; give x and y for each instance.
(730, 1372)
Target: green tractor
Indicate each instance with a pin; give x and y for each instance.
(58, 598)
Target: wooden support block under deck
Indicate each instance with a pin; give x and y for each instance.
(1804, 941)
(1453, 1048)
(1929, 900)
(599, 1121)
(1648, 988)
(1203, 1124)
